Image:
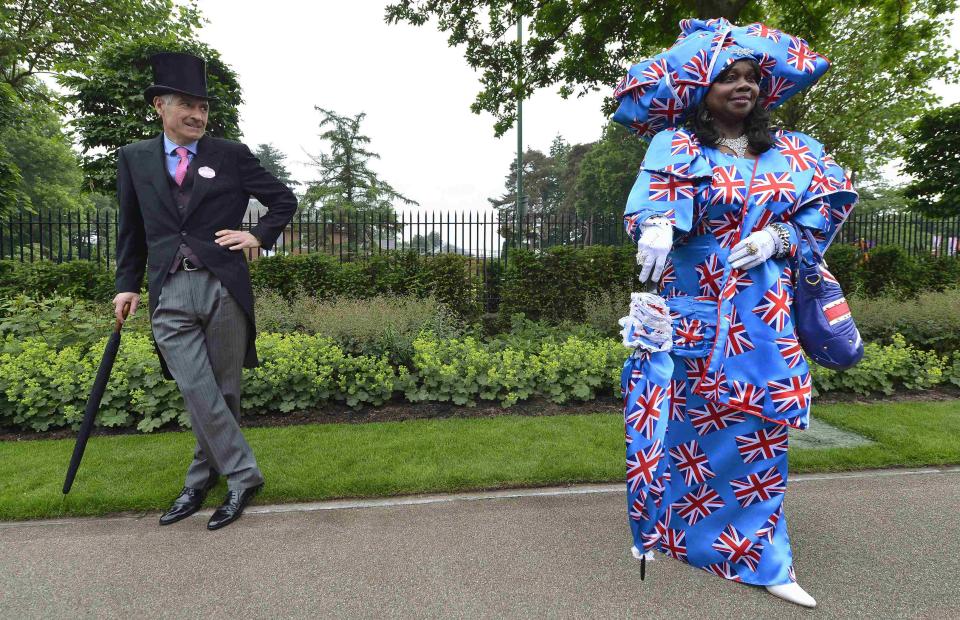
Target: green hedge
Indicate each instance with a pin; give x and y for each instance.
(446, 277)
(929, 321)
(553, 285)
(80, 279)
(888, 269)
(42, 389)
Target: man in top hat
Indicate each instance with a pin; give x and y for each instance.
(182, 198)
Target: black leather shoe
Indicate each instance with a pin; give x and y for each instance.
(232, 507)
(188, 502)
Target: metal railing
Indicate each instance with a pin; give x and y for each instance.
(63, 236)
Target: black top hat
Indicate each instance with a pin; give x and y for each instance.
(174, 72)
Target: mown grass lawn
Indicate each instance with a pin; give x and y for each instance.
(315, 462)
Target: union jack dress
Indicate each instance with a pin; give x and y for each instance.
(707, 434)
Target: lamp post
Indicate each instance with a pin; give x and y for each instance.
(520, 202)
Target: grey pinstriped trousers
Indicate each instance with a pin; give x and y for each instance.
(202, 333)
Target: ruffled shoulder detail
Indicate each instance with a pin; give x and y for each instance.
(828, 197)
(677, 152)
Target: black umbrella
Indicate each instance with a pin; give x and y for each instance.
(93, 403)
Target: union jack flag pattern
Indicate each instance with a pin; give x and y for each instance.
(800, 56)
(774, 309)
(641, 465)
(710, 275)
(645, 412)
(747, 397)
(737, 548)
(758, 487)
(790, 393)
(762, 444)
(713, 417)
(692, 463)
(678, 400)
(712, 451)
(689, 332)
(728, 186)
(791, 350)
(698, 503)
(738, 341)
(770, 525)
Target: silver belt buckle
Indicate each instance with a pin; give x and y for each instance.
(187, 265)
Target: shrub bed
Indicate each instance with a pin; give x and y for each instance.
(445, 277)
(930, 321)
(890, 270)
(80, 279)
(554, 285)
(42, 388)
(551, 285)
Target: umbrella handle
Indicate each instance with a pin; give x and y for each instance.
(118, 324)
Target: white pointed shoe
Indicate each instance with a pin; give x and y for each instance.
(637, 555)
(794, 593)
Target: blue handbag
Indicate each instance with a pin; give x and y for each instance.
(825, 327)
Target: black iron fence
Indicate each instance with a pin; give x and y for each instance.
(63, 236)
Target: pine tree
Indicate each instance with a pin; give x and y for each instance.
(272, 158)
(348, 188)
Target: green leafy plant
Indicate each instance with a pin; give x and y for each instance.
(884, 368)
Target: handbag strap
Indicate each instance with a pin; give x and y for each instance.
(805, 234)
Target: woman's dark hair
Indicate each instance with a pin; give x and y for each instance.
(756, 126)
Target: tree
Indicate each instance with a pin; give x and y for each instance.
(542, 190)
(11, 189)
(346, 180)
(541, 186)
(431, 243)
(110, 112)
(885, 52)
(349, 186)
(272, 159)
(932, 156)
(607, 174)
(49, 172)
(878, 83)
(64, 35)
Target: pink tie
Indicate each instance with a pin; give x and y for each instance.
(181, 170)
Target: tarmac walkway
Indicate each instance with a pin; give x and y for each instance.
(882, 544)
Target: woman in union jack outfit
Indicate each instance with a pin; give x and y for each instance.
(710, 211)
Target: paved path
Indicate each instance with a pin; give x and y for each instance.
(877, 545)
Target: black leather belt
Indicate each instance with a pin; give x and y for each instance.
(187, 265)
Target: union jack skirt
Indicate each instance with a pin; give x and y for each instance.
(705, 483)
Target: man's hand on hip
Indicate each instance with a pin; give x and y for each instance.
(125, 304)
(237, 239)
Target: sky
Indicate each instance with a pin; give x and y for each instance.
(416, 91)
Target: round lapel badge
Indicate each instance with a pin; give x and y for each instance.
(206, 172)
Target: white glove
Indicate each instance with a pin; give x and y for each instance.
(753, 250)
(653, 247)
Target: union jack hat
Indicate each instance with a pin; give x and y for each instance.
(657, 93)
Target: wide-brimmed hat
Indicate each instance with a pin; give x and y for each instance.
(176, 72)
(659, 92)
